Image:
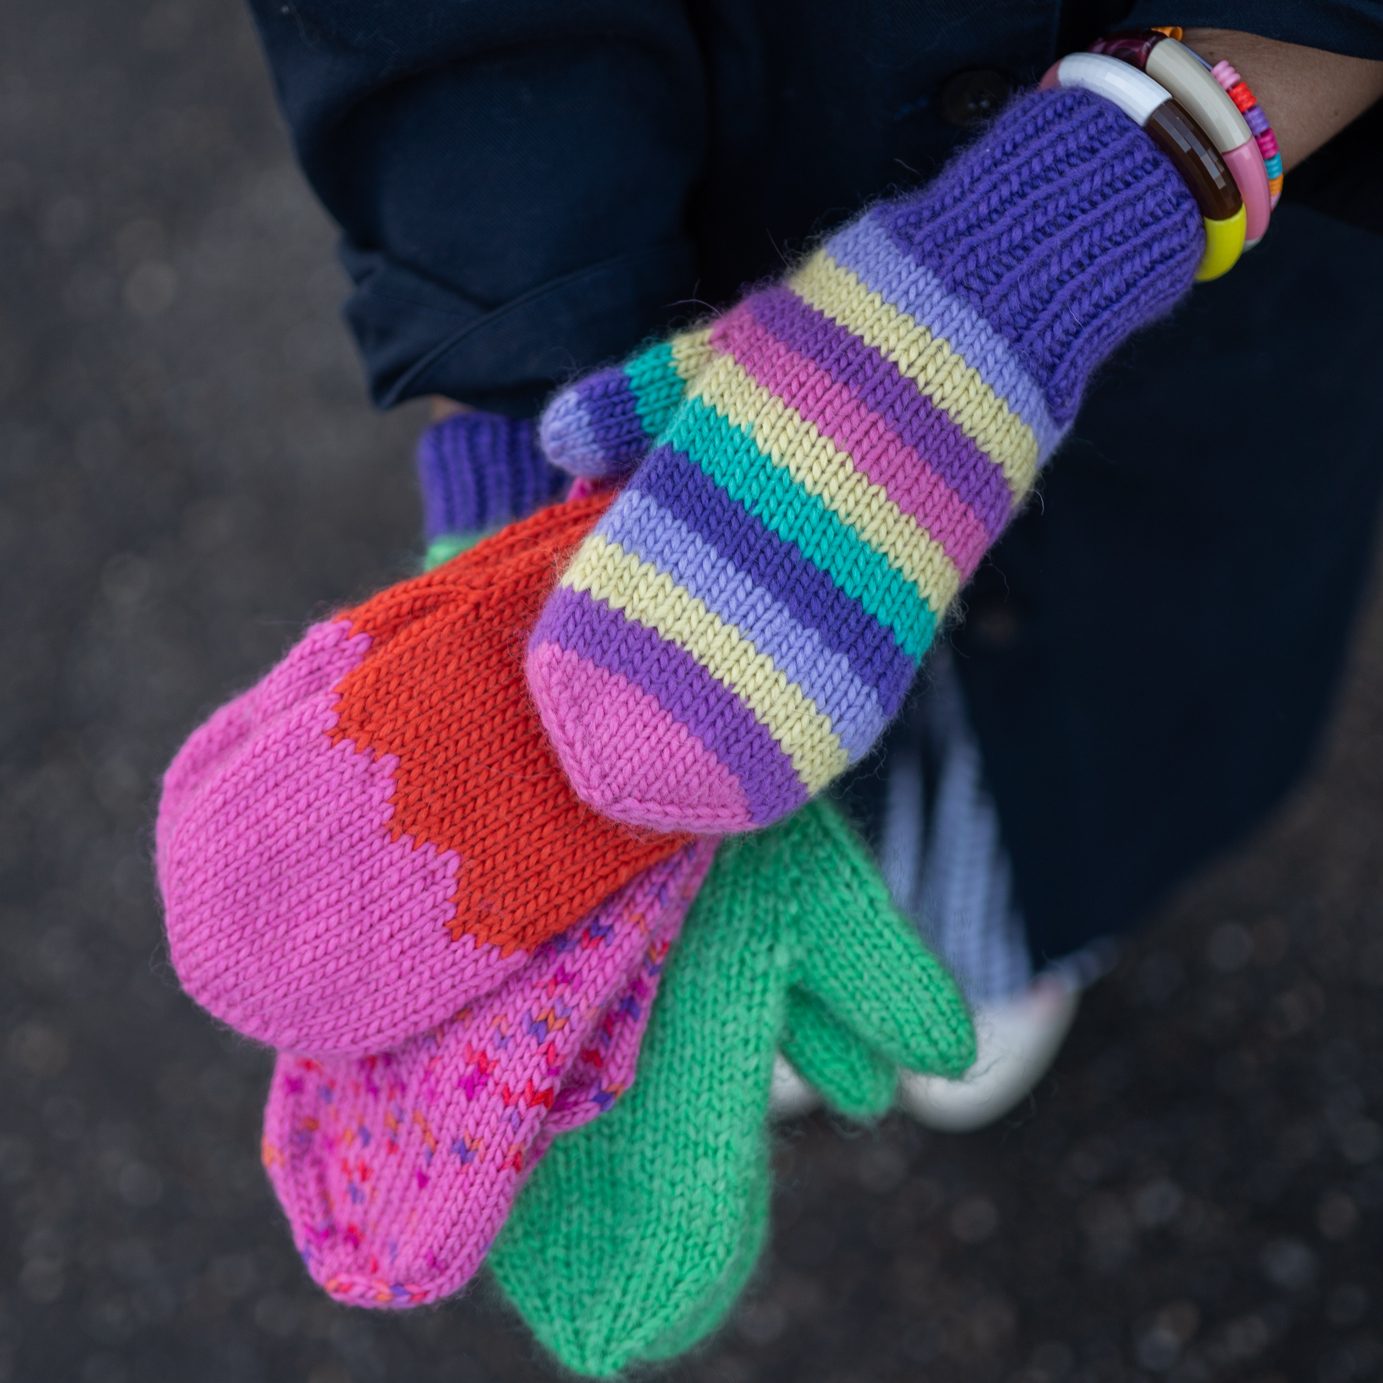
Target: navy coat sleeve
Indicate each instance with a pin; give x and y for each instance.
(444, 135)
(526, 188)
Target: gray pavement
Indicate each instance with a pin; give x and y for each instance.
(188, 470)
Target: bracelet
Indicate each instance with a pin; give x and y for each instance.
(1239, 91)
(1188, 146)
(1174, 65)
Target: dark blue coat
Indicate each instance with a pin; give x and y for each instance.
(529, 187)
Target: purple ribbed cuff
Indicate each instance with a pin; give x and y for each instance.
(479, 471)
(1063, 227)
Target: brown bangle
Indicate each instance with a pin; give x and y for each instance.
(1198, 161)
(1179, 136)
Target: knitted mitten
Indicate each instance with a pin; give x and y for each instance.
(396, 1170)
(750, 612)
(602, 426)
(634, 1234)
(477, 472)
(378, 833)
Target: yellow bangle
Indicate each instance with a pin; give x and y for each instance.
(1224, 243)
(1177, 134)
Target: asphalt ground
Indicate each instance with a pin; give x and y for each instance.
(189, 471)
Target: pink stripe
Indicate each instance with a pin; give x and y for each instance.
(293, 914)
(683, 782)
(875, 449)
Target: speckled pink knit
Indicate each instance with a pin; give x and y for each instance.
(397, 1170)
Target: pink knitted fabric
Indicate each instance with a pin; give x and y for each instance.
(378, 832)
(397, 1170)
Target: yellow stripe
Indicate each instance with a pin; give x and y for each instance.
(691, 352)
(937, 369)
(795, 444)
(652, 598)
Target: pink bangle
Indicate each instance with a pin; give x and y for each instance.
(1181, 71)
(1246, 166)
(1239, 91)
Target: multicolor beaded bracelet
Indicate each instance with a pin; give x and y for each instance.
(1239, 91)
(1174, 66)
(1179, 137)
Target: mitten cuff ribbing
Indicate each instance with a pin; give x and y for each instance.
(479, 471)
(1062, 230)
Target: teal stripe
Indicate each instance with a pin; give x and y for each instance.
(656, 385)
(732, 459)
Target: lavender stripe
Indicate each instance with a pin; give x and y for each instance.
(577, 622)
(878, 383)
(641, 526)
(683, 489)
(882, 263)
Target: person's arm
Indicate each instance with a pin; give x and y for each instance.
(1310, 94)
(510, 179)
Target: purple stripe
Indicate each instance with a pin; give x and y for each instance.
(594, 428)
(577, 622)
(615, 412)
(682, 488)
(878, 383)
(883, 262)
(643, 527)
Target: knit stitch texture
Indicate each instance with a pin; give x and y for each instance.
(378, 833)
(636, 1233)
(396, 1170)
(479, 471)
(832, 460)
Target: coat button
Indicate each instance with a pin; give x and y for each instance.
(972, 97)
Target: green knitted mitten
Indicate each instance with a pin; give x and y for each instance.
(635, 1234)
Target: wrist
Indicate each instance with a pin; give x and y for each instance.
(1311, 94)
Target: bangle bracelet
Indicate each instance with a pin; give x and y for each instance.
(1188, 146)
(1173, 65)
(1239, 91)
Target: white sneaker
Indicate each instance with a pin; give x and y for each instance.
(790, 1097)
(1017, 1040)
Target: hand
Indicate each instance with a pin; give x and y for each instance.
(832, 460)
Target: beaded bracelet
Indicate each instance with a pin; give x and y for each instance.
(1174, 66)
(1188, 146)
(1239, 91)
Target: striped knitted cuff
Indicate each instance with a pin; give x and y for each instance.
(479, 471)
